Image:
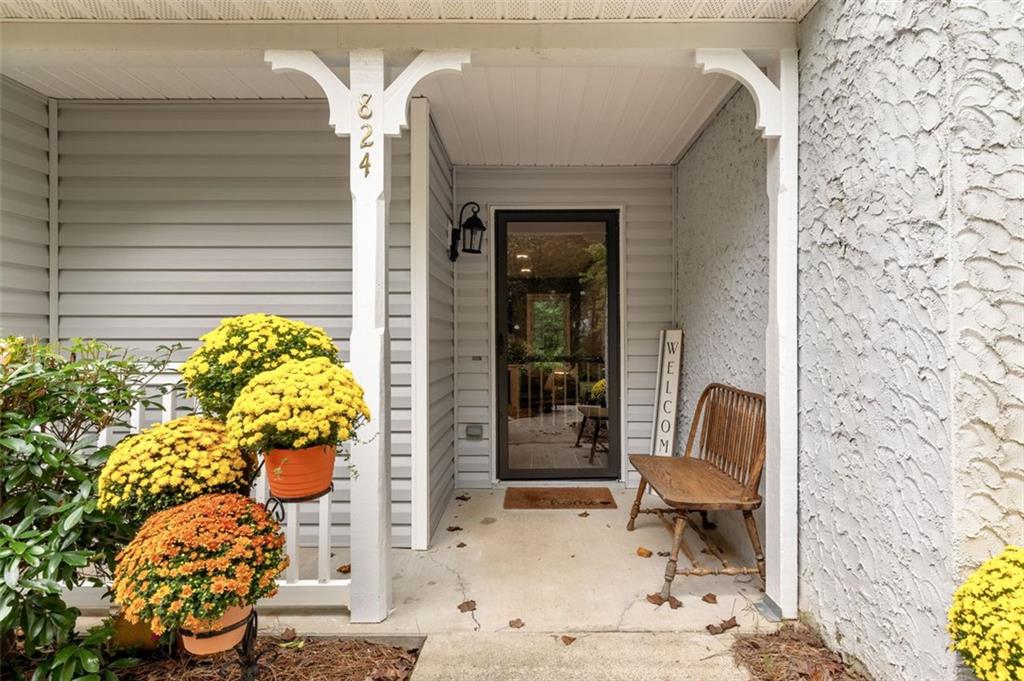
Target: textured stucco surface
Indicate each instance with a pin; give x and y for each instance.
(987, 214)
(722, 268)
(910, 313)
(875, 466)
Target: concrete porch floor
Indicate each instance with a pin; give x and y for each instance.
(556, 571)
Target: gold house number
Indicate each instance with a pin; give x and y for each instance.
(365, 112)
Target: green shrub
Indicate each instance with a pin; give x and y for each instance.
(52, 534)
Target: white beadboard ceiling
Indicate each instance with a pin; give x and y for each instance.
(572, 115)
(404, 10)
(508, 111)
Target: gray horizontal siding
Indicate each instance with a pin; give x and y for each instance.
(648, 291)
(24, 212)
(176, 215)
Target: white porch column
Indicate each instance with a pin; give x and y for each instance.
(370, 342)
(776, 100)
(366, 112)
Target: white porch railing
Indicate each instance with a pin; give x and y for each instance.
(326, 590)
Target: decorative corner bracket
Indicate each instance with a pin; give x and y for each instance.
(306, 61)
(396, 97)
(767, 97)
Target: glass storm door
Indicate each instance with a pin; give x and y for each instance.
(557, 333)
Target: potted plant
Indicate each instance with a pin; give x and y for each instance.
(599, 394)
(199, 567)
(986, 623)
(297, 414)
(171, 463)
(241, 347)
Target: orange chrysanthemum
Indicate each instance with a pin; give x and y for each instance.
(188, 564)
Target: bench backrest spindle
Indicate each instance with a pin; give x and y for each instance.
(732, 434)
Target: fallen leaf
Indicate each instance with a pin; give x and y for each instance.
(568, 640)
(454, 528)
(664, 554)
(297, 644)
(725, 625)
(710, 598)
(643, 553)
(516, 623)
(288, 634)
(463, 497)
(656, 599)
(821, 674)
(345, 569)
(467, 606)
(461, 545)
(584, 515)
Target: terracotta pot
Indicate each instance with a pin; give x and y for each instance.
(232, 624)
(304, 474)
(134, 636)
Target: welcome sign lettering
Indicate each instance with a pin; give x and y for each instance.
(666, 397)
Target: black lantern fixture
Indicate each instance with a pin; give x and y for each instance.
(470, 231)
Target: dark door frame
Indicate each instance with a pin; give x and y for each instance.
(610, 217)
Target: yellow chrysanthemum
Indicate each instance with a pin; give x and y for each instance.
(986, 621)
(171, 463)
(299, 404)
(242, 347)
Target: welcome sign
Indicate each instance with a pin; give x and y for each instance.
(666, 397)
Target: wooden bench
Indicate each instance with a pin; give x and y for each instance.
(722, 472)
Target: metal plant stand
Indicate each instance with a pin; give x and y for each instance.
(248, 658)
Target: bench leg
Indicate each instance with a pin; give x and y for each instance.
(670, 567)
(579, 435)
(593, 442)
(705, 523)
(748, 520)
(635, 511)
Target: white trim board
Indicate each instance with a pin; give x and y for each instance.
(419, 228)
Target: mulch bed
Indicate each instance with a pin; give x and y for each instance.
(301, 659)
(793, 653)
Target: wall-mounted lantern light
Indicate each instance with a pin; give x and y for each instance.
(470, 231)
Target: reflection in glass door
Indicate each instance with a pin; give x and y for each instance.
(557, 334)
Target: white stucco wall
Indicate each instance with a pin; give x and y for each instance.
(910, 312)
(987, 214)
(722, 269)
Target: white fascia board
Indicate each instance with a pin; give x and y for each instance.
(224, 36)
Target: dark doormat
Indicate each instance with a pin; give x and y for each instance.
(555, 498)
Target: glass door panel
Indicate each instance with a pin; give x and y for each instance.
(557, 343)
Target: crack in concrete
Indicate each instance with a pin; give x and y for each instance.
(459, 581)
(622, 615)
